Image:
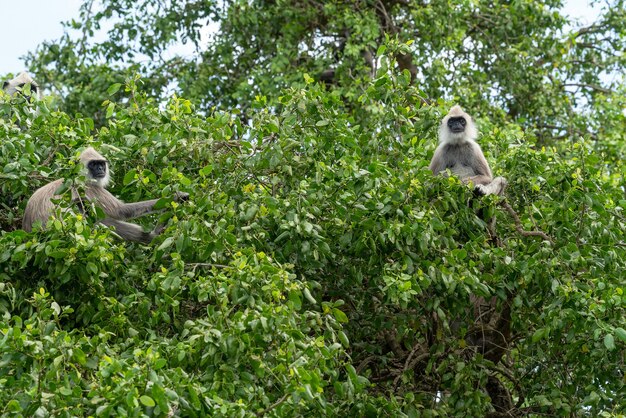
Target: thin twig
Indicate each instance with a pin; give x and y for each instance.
(196, 265)
(272, 406)
(518, 224)
(408, 364)
(364, 363)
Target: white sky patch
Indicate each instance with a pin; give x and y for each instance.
(582, 11)
(26, 24)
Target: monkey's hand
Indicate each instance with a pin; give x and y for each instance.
(479, 190)
(181, 196)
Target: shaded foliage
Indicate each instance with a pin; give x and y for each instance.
(318, 268)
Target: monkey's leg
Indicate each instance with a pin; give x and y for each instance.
(481, 179)
(130, 232)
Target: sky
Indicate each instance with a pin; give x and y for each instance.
(42, 22)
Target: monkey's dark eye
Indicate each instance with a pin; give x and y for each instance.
(5, 85)
(33, 88)
(21, 85)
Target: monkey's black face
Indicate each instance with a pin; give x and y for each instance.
(97, 169)
(457, 124)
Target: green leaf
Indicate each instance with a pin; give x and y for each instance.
(79, 356)
(113, 89)
(343, 338)
(295, 298)
(308, 296)
(129, 177)
(91, 267)
(206, 170)
(158, 395)
(250, 212)
(340, 316)
(110, 110)
(147, 401)
(621, 333)
(166, 243)
(609, 342)
(185, 181)
(159, 364)
(539, 334)
(193, 397)
(65, 391)
(322, 122)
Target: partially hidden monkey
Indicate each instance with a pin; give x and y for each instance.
(459, 152)
(40, 205)
(11, 86)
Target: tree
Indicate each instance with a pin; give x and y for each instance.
(319, 268)
(519, 58)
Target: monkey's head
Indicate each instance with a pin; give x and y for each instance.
(457, 127)
(96, 167)
(18, 83)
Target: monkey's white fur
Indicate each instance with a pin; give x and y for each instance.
(459, 153)
(91, 154)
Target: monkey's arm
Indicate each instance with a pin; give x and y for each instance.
(117, 209)
(438, 163)
(497, 187)
(482, 172)
(135, 210)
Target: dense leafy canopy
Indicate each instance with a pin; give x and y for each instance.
(319, 268)
(521, 60)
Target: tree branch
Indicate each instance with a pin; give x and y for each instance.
(518, 224)
(590, 86)
(272, 406)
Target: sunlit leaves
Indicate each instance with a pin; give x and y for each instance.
(318, 267)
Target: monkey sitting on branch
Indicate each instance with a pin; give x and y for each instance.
(40, 206)
(459, 152)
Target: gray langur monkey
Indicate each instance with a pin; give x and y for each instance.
(459, 152)
(40, 205)
(11, 86)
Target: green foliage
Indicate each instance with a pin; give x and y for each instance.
(318, 267)
(522, 61)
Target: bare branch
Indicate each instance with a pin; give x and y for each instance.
(588, 29)
(272, 406)
(518, 224)
(590, 86)
(408, 364)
